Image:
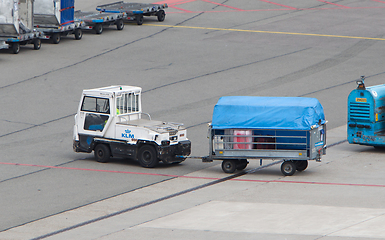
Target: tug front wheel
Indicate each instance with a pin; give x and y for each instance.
(102, 153)
(147, 156)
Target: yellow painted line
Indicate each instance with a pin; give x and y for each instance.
(273, 32)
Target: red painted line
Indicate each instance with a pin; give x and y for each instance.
(194, 177)
(169, 2)
(378, 1)
(293, 8)
(181, 9)
(219, 4)
(315, 183)
(183, 2)
(333, 4)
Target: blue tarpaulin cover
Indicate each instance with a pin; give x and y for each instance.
(249, 112)
(67, 11)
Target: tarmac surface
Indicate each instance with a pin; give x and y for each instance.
(202, 51)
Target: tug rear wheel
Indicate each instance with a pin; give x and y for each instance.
(147, 157)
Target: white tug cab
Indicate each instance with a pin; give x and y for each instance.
(110, 122)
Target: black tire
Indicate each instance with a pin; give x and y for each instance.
(56, 38)
(102, 153)
(242, 164)
(147, 156)
(78, 34)
(15, 48)
(229, 166)
(37, 44)
(301, 165)
(139, 19)
(98, 28)
(288, 168)
(120, 24)
(161, 15)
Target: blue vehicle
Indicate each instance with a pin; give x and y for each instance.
(248, 127)
(366, 115)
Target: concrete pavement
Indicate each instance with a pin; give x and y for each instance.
(339, 198)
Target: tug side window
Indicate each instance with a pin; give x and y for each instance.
(93, 104)
(96, 120)
(127, 103)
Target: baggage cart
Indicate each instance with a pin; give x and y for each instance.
(135, 11)
(98, 20)
(55, 18)
(16, 25)
(366, 115)
(246, 127)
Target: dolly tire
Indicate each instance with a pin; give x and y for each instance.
(102, 153)
(301, 165)
(242, 164)
(56, 38)
(147, 157)
(120, 24)
(16, 48)
(161, 15)
(78, 34)
(98, 28)
(288, 168)
(229, 166)
(139, 19)
(36, 44)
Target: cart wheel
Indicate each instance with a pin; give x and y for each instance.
(161, 15)
(147, 157)
(242, 164)
(56, 38)
(37, 44)
(98, 28)
(120, 24)
(229, 166)
(301, 165)
(15, 48)
(288, 168)
(78, 34)
(139, 19)
(102, 153)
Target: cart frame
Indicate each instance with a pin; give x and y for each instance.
(135, 11)
(98, 20)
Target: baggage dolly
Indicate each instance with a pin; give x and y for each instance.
(243, 128)
(135, 11)
(55, 33)
(98, 20)
(13, 42)
(56, 19)
(16, 25)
